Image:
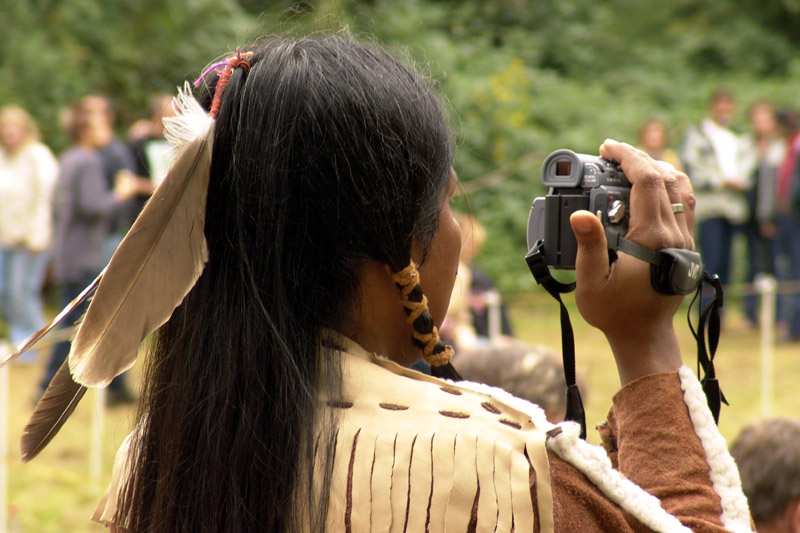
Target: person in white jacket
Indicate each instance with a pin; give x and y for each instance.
(711, 155)
(28, 172)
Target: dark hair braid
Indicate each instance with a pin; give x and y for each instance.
(425, 334)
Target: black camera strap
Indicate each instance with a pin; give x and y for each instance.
(672, 272)
(710, 319)
(541, 273)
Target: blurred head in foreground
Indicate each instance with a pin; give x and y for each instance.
(533, 373)
(768, 455)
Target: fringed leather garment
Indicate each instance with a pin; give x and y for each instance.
(415, 453)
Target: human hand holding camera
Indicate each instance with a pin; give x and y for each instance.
(618, 298)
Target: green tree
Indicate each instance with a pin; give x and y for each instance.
(521, 78)
(57, 51)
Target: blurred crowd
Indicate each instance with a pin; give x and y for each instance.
(747, 185)
(61, 219)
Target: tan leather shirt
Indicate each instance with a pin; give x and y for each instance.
(414, 453)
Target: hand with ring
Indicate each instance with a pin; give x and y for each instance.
(618, 298)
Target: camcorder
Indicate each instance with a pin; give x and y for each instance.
(585, 182)
(577, 182)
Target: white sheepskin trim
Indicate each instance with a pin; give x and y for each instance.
(723, 471)
(595, 465)
(524, 406)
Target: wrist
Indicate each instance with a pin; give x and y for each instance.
(639, 354)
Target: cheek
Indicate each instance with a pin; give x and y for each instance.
(457, 240)
(438, 274)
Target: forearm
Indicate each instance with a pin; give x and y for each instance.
(658, 448)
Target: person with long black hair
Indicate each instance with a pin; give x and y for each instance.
(309, 257)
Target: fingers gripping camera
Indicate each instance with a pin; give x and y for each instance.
(586, 182)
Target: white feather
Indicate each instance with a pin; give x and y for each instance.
(190, 121)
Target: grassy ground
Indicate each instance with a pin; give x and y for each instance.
(55, 492)
(738, 363)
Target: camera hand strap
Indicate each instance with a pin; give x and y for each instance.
(541, 273)
(673, 271)
(679, 271)
(709, 317)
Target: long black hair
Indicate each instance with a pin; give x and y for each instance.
(327, 153)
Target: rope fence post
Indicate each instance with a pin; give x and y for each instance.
(767, 287)
(4, 449)
(492, 300)
(96, 452)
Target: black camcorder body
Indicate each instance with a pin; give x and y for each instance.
(577, 182)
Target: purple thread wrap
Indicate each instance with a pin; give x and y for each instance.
(208, 71)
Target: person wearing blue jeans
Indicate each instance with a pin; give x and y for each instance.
(712, 155)
(764, 150)
(787, 244)
(21, 276)
(28, 172)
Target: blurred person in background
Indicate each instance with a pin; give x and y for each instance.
(83, 208)
(768, 456)
(533, 373)
(118, 165)
(475, 296)
(763, 152)
(117, 161)
(151, 152)
(787, 239)
(28, 173)
(654, 139)
(710, 154)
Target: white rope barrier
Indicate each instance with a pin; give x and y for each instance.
(493, 301)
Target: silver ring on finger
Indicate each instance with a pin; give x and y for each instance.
(678, 208)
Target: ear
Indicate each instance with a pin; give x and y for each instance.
(794, 516)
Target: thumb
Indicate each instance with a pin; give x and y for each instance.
(591, 264)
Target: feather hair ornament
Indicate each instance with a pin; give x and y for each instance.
(55, 406)
(158, 261)
(154, 268)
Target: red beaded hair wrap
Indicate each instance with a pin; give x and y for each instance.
(240, 60)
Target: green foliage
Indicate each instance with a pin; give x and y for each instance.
(525, 78)
(521, 78)
(57, 51)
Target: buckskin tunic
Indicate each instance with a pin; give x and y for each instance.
(415, 453)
